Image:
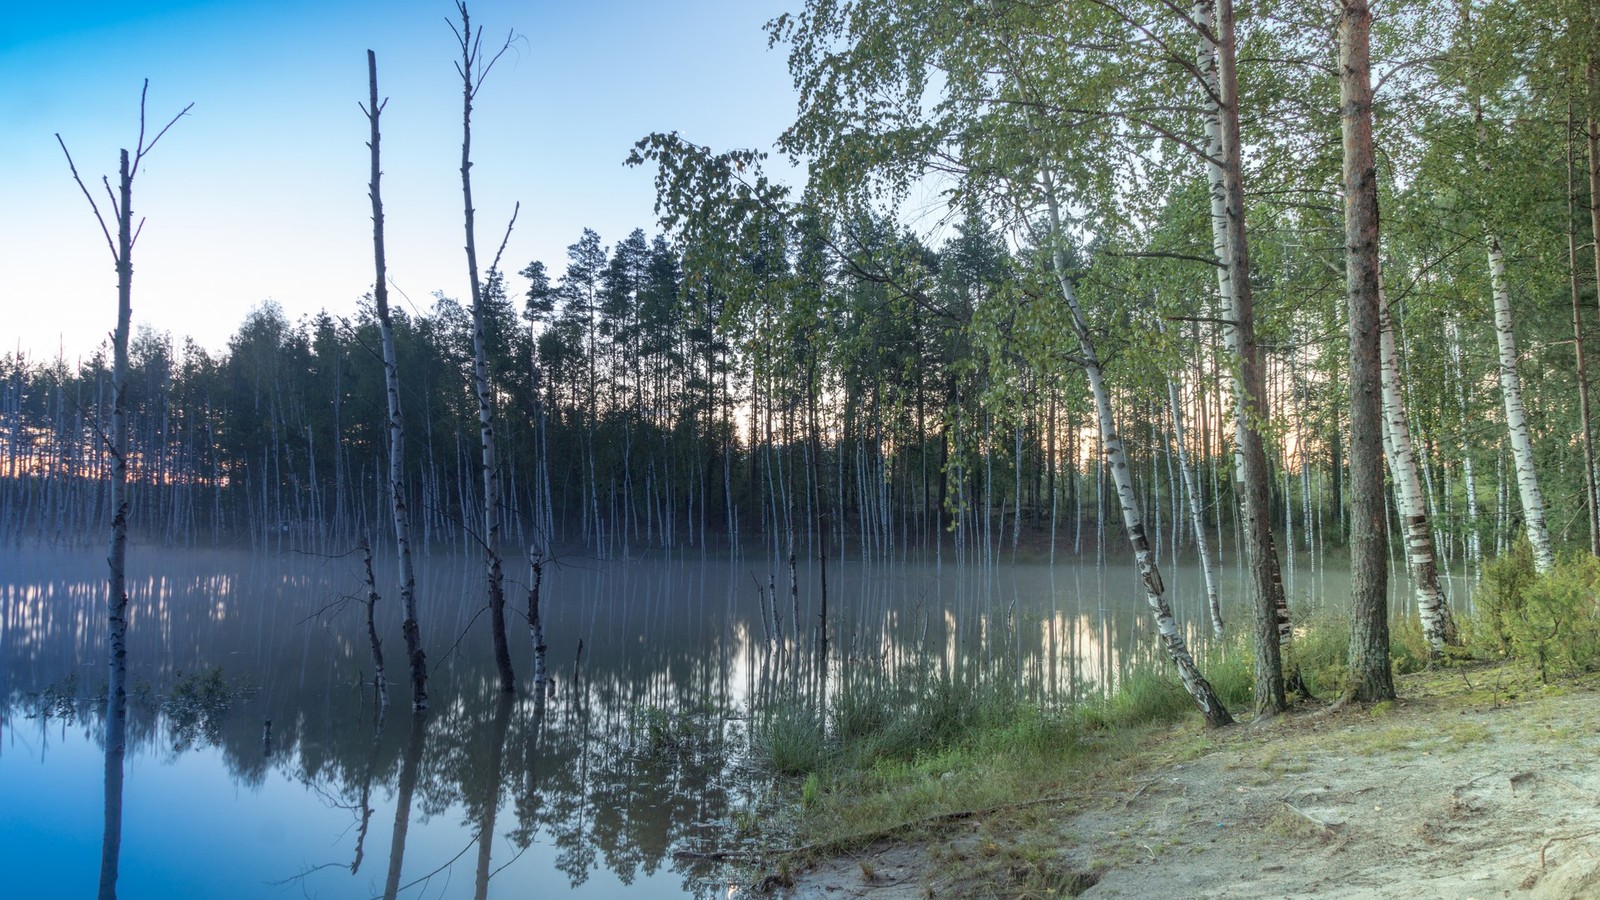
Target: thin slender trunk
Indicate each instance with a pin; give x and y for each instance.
(541, 673)
(1474, 539)
(379, 682)
(472, 72)
(117, 556)
(1194, 682)
(1192, 495)
(415, 657)
(117, 605)
(1231, 244)
(1533, 509)
(1516, 419)
(1592, 494)
(1370, 676)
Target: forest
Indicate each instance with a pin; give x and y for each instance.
(791, 366)
(1278, 285)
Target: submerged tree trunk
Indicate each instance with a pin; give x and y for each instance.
(1370, 676)
(1438, 625)
(541, 673)
(405, 790)
(1194, 682)
(117, 558)
(473, 71)
(491, 790)
(1231, 244)
(379, 683)
(399, 508)
(121, 248)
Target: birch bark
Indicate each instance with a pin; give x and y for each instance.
(1506, 347)
(1116, 457)
(472, 71)
(1438, 625)
(400, 509)
(1191, 493)
(1231, 246)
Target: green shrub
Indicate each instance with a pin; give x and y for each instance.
(1558, 628)
(1500, 598)
(1321, 649)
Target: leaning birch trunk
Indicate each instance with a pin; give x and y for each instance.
(1438, 625)
(471, 77)
(415, 658)
(1191, 493)
(1516, 418)
(1370, 676)
(1194, 682)
(1231, 245)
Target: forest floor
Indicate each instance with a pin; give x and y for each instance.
(1480, 782)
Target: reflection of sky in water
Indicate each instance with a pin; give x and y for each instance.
(191, 830)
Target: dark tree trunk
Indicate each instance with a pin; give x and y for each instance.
(1370, 676)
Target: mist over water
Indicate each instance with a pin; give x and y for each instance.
(259, 764)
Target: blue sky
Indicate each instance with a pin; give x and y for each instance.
(260, 193)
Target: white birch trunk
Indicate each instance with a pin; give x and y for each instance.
(1116, 456)
(416, 659)
(1224, 171)
(1438, 626)
(1516, 419)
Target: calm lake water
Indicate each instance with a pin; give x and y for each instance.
(640, 752)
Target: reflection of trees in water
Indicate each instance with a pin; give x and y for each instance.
(618, 769)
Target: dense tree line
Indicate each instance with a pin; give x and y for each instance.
(802, 367)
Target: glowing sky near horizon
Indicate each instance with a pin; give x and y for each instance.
(260, 193)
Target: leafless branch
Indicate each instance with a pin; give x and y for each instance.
(495, 266)
(88, 196)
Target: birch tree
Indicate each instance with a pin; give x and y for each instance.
(1528, 490)
(1230, 242)
(399, 505)
(1438, 625)
(121, 247)
(473, 68)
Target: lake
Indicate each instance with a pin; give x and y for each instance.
(259, 764)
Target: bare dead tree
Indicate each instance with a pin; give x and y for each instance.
(473, 69)
(417, 660)
(121, 248)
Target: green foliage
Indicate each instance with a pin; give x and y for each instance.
(1553, 620)
(1500, 598)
